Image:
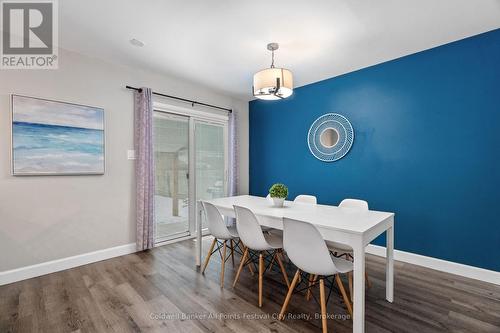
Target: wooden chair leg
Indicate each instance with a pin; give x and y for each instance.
(282, 267)
(223, 264)
(232, 251)
(261, 273)
(322, 297)
(270, 266)
(312, 279)
(344, 294)
(368, 282)
(209, 254)
(242, 263)
(349, 277)
(289, 295)
(250, 268)
(271, 263)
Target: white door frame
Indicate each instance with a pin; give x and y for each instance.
(194, 115)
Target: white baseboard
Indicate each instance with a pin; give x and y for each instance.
(48, 267)
(439, 264)
(53, 266)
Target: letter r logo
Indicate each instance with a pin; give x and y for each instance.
(27, 27)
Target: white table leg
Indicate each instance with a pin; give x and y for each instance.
(389, 266)
(359, 288)
(199, 213)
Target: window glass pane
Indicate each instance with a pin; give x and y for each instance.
(171, 144)
(210, 162)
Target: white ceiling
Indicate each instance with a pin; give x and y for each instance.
(221, 43)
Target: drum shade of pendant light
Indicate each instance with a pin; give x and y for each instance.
(273, 83)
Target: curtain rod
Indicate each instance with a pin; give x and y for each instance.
(183, 99)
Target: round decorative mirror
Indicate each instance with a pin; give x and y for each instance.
(330, 137)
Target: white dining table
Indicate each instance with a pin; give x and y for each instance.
(343, 225)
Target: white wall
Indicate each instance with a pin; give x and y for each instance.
(51, 217)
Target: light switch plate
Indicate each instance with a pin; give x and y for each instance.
(131, 154)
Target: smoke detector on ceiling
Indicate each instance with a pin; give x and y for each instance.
(136, 42)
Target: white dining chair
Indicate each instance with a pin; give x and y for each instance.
(307, 249)
(339, 249)
(354, 204)
(222, 234)
(254, 239)
(300, 199)
(264, 228)
(306, 199)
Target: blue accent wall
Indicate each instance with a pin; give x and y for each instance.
(427, 147)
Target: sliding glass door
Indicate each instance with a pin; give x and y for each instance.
(171, 150)
(210, 160)
(186, 145)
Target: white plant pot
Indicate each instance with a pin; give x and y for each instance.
(278, 202)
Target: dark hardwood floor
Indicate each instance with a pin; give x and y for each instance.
(161, 291)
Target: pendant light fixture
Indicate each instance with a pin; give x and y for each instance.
(273, 83)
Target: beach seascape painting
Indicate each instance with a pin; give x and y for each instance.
(56, 138)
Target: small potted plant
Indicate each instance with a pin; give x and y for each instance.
(278, 193)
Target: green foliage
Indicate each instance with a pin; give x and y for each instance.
(278, 191)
